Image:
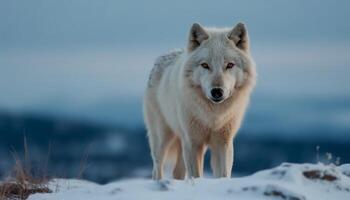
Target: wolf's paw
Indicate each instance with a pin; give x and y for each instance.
(163, 185)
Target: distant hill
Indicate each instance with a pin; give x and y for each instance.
(112, 152)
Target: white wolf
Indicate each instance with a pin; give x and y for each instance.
(197, 98)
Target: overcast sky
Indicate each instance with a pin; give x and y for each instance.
(90, 22)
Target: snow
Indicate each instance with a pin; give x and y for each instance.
(287, 181)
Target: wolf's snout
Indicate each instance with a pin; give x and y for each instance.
(217, 94)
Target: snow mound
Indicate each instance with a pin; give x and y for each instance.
(286, 182)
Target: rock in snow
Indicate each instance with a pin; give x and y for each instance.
(287, 182)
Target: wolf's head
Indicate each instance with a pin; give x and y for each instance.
(219, 61)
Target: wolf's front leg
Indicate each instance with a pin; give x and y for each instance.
(222, 159)
(193, 155)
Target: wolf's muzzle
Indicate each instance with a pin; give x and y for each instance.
(217, 94)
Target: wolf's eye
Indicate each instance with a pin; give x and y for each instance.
(230, 65)
(205, 65)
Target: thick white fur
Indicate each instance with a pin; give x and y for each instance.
(178, 110)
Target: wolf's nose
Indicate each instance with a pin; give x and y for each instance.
(217, 94)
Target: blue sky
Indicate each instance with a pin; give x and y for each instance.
(127, 22)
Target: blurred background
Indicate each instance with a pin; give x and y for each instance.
(73, 73)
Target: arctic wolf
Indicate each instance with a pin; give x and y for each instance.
(196, 98)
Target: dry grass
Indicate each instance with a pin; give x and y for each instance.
(15, 190)
(21, 181)
(24, 180)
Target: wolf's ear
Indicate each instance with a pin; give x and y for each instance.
(197, 36)
(239, 35)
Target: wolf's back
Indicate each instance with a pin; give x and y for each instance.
(161, 63)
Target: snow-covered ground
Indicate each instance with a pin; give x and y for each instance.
(287, 181)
